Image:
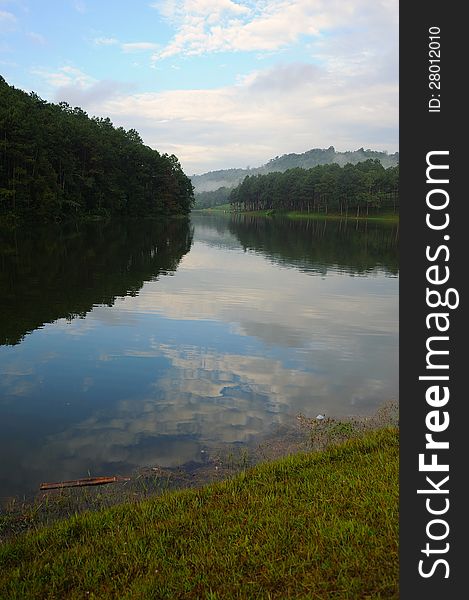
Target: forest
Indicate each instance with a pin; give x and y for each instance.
(56, 162)
(362, 189)
(229, 178)
(211, 199)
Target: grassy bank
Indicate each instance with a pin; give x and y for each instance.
(392, 218)
(316, 525)
(219, 208)
(379, 217)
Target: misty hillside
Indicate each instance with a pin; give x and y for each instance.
(213, 180)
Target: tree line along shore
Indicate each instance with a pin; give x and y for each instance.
(362, 189)
(56, 162)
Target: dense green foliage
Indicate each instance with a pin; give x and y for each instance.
(56, 162)
(360, 188)
(326, 156)
(229, 178)
(211, 199)
(316, 525)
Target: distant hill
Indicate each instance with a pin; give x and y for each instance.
(229, 178)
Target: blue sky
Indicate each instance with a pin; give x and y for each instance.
(219, 83)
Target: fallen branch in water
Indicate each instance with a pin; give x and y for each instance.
(82, 482)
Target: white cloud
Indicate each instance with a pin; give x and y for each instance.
(7, 16)
(139, 46)
(105, 41)
(127, 47)
(37, 38)
(65, 76)
(204, 26)
(7, 20)
(80, 6)
(342, 92)
(8, 63)
(175, 9)
(284, 77)
(72, 85)
(91, 95)
(288, 108)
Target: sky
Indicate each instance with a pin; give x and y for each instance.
(219, 83)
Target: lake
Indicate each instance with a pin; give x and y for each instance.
(124, 345)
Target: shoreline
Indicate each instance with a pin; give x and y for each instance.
(388, 218)
(322, 524)
(303, 435)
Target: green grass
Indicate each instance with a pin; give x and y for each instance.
(378, 217)
(316, 525)
(384, 217)
(392, 218)
(219, 208)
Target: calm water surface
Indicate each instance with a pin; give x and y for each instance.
(125, 345)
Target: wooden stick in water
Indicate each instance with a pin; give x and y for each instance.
(82, 482)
